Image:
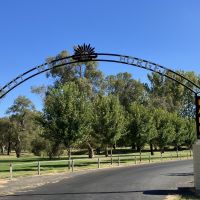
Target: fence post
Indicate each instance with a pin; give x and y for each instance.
(111, 160)
(118, 161)
(11, 171)
(38, 167)
(98, 163)
(135, 160)
(72, 165)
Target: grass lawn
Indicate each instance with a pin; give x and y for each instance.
(28, 164)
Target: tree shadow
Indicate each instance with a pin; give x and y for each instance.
(179, 174)
(179, 191)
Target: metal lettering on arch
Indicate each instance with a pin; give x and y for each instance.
(85, 53)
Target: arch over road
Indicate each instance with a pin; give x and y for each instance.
(85, 53)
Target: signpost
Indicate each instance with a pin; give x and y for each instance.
(197, 102)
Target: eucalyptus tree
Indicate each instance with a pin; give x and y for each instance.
(74, 72)
(20, 117)
(167, 94)
(126, 88)
(5, 135)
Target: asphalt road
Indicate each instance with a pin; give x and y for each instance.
(151, 182)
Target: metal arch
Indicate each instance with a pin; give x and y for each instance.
(123, 59)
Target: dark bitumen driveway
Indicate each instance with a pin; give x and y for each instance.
(152, 182)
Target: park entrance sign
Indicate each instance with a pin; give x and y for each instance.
(85, 53)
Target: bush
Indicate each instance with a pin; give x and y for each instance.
(38, 145)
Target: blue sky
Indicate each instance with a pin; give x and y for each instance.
(166, 32)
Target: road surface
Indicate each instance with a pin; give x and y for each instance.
(152, 182)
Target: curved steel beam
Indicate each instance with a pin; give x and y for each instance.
(122, 59)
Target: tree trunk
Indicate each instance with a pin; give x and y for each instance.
(69, 151)
(106, 151)
(9, 148)
(138, 148)
(177, 151)
(18, 148)
(90, 151)
(151, 149)
(111, 152)
(140, 155)
(98, 151)
(114, 146)
(2, 149)
(133, 146)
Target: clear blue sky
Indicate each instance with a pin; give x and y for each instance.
(166, 32)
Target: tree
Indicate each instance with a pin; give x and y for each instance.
(20, 117)
(66, 115)
(38, 144)
(5, 135)
(141, 129)
(108, 120)
(126, 88)
(74, 72)
(167, 94)
(180, 131)
(164, 127)
(190, 133)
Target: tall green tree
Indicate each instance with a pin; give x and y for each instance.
(108, 122)
(76, 71)
(180, 131)
(167, 94)
(164, 127)
(20, 118)
(67, 115)
(5, 135)
(190, 134)
(141, 129)
(126, 88)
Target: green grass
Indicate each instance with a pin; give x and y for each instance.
(28, 164)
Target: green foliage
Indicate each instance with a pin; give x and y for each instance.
(126, 88)
(5, 135)
(38, 145)
(108, 122)
(190, 134)
(21, 124)
(84, 109)
(66, 115)
(141, 129)
(164, 127)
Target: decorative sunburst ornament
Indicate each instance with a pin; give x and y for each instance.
(84, 52)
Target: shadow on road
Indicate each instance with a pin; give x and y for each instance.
(181, 191)
(179, 174)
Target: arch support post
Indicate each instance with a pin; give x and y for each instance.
(196, 148)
